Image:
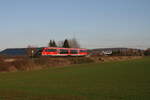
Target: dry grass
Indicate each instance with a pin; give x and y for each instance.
(24, 63)
(12, 64)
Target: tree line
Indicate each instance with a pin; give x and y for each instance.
(67, 43)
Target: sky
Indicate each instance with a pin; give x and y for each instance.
(94, 23)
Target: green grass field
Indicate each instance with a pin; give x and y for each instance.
(126, 80)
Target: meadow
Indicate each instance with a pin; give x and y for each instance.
(122, 80)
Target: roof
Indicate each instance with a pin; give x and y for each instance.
(14, 52)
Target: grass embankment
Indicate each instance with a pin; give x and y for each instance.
(13, 64)
(126, 80)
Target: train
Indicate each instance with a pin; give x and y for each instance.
(55, 51)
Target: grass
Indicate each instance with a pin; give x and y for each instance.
(126, 80)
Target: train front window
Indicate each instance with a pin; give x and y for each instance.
(74, 51)
(63, 51)
(50, 50)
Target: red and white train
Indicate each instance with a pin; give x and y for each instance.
(54, 51)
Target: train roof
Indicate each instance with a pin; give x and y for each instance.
(63, 48)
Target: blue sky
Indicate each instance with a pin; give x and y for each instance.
(95, 23)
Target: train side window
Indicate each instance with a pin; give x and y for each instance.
(74, 51)
(83, 51)
(50, 50)
(63, 51)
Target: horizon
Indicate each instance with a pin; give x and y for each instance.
(94, 23)
(83, 48)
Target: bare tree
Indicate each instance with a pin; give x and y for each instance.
(60, 43)
(74, 43)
